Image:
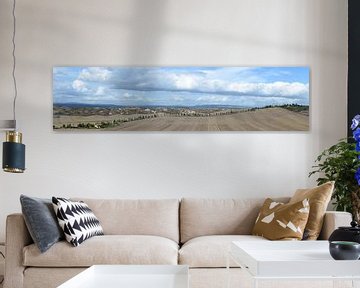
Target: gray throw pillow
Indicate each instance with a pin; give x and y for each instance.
(41, 221)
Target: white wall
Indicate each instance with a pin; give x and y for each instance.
(169, 32)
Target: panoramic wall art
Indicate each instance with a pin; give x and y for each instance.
(181, 98)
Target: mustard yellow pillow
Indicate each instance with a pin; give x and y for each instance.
(319, 198)
(279, 221)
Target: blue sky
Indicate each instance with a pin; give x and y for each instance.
(182, 86)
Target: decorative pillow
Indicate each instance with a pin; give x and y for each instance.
(319, 198)
(41, 222)
(279, 221)
(77, 220)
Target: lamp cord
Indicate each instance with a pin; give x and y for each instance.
(2, 280)
(14, 60)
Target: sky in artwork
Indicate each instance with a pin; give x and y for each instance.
(181, 86)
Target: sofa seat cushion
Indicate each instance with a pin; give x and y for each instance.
(107, 249)
(211, 251)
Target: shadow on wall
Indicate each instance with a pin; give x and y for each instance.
(148, 27)
(63, 28)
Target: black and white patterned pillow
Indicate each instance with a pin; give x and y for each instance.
(77, 220)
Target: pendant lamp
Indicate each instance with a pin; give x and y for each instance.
(13, 159)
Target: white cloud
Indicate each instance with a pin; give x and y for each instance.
(283, 89)
(95, 74)
(226, 85)
(79, 86)
(184, 81)
(197, 83)
(213, 85)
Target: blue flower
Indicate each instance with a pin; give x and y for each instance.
(356, 134)
(355, 122)
(357, 176)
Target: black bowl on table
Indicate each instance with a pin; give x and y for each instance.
(344, 250)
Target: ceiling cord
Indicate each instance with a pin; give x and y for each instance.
(14, 60)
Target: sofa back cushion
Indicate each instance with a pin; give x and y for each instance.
(200, 217)
(159, 217)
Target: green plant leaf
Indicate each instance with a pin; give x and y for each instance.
(338, 163)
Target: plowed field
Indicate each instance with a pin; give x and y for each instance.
(270, 119)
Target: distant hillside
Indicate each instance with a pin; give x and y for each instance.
(84, 105)
(291, 107)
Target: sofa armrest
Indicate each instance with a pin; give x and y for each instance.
(17, 237)
(333, 220)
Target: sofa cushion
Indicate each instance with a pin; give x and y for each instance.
(158, 217)
(211, 251)
(77, 220)
(107, 249)
(200, 217)
(319, 198)
(279, 221)
(41, 221)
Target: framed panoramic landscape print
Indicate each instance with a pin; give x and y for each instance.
(181, 98)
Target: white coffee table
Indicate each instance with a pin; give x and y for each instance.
(300, 260)
(131, 276)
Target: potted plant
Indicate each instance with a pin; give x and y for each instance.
(341, 163)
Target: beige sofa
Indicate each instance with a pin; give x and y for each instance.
(194, 232)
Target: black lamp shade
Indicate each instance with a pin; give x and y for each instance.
(13, 157)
